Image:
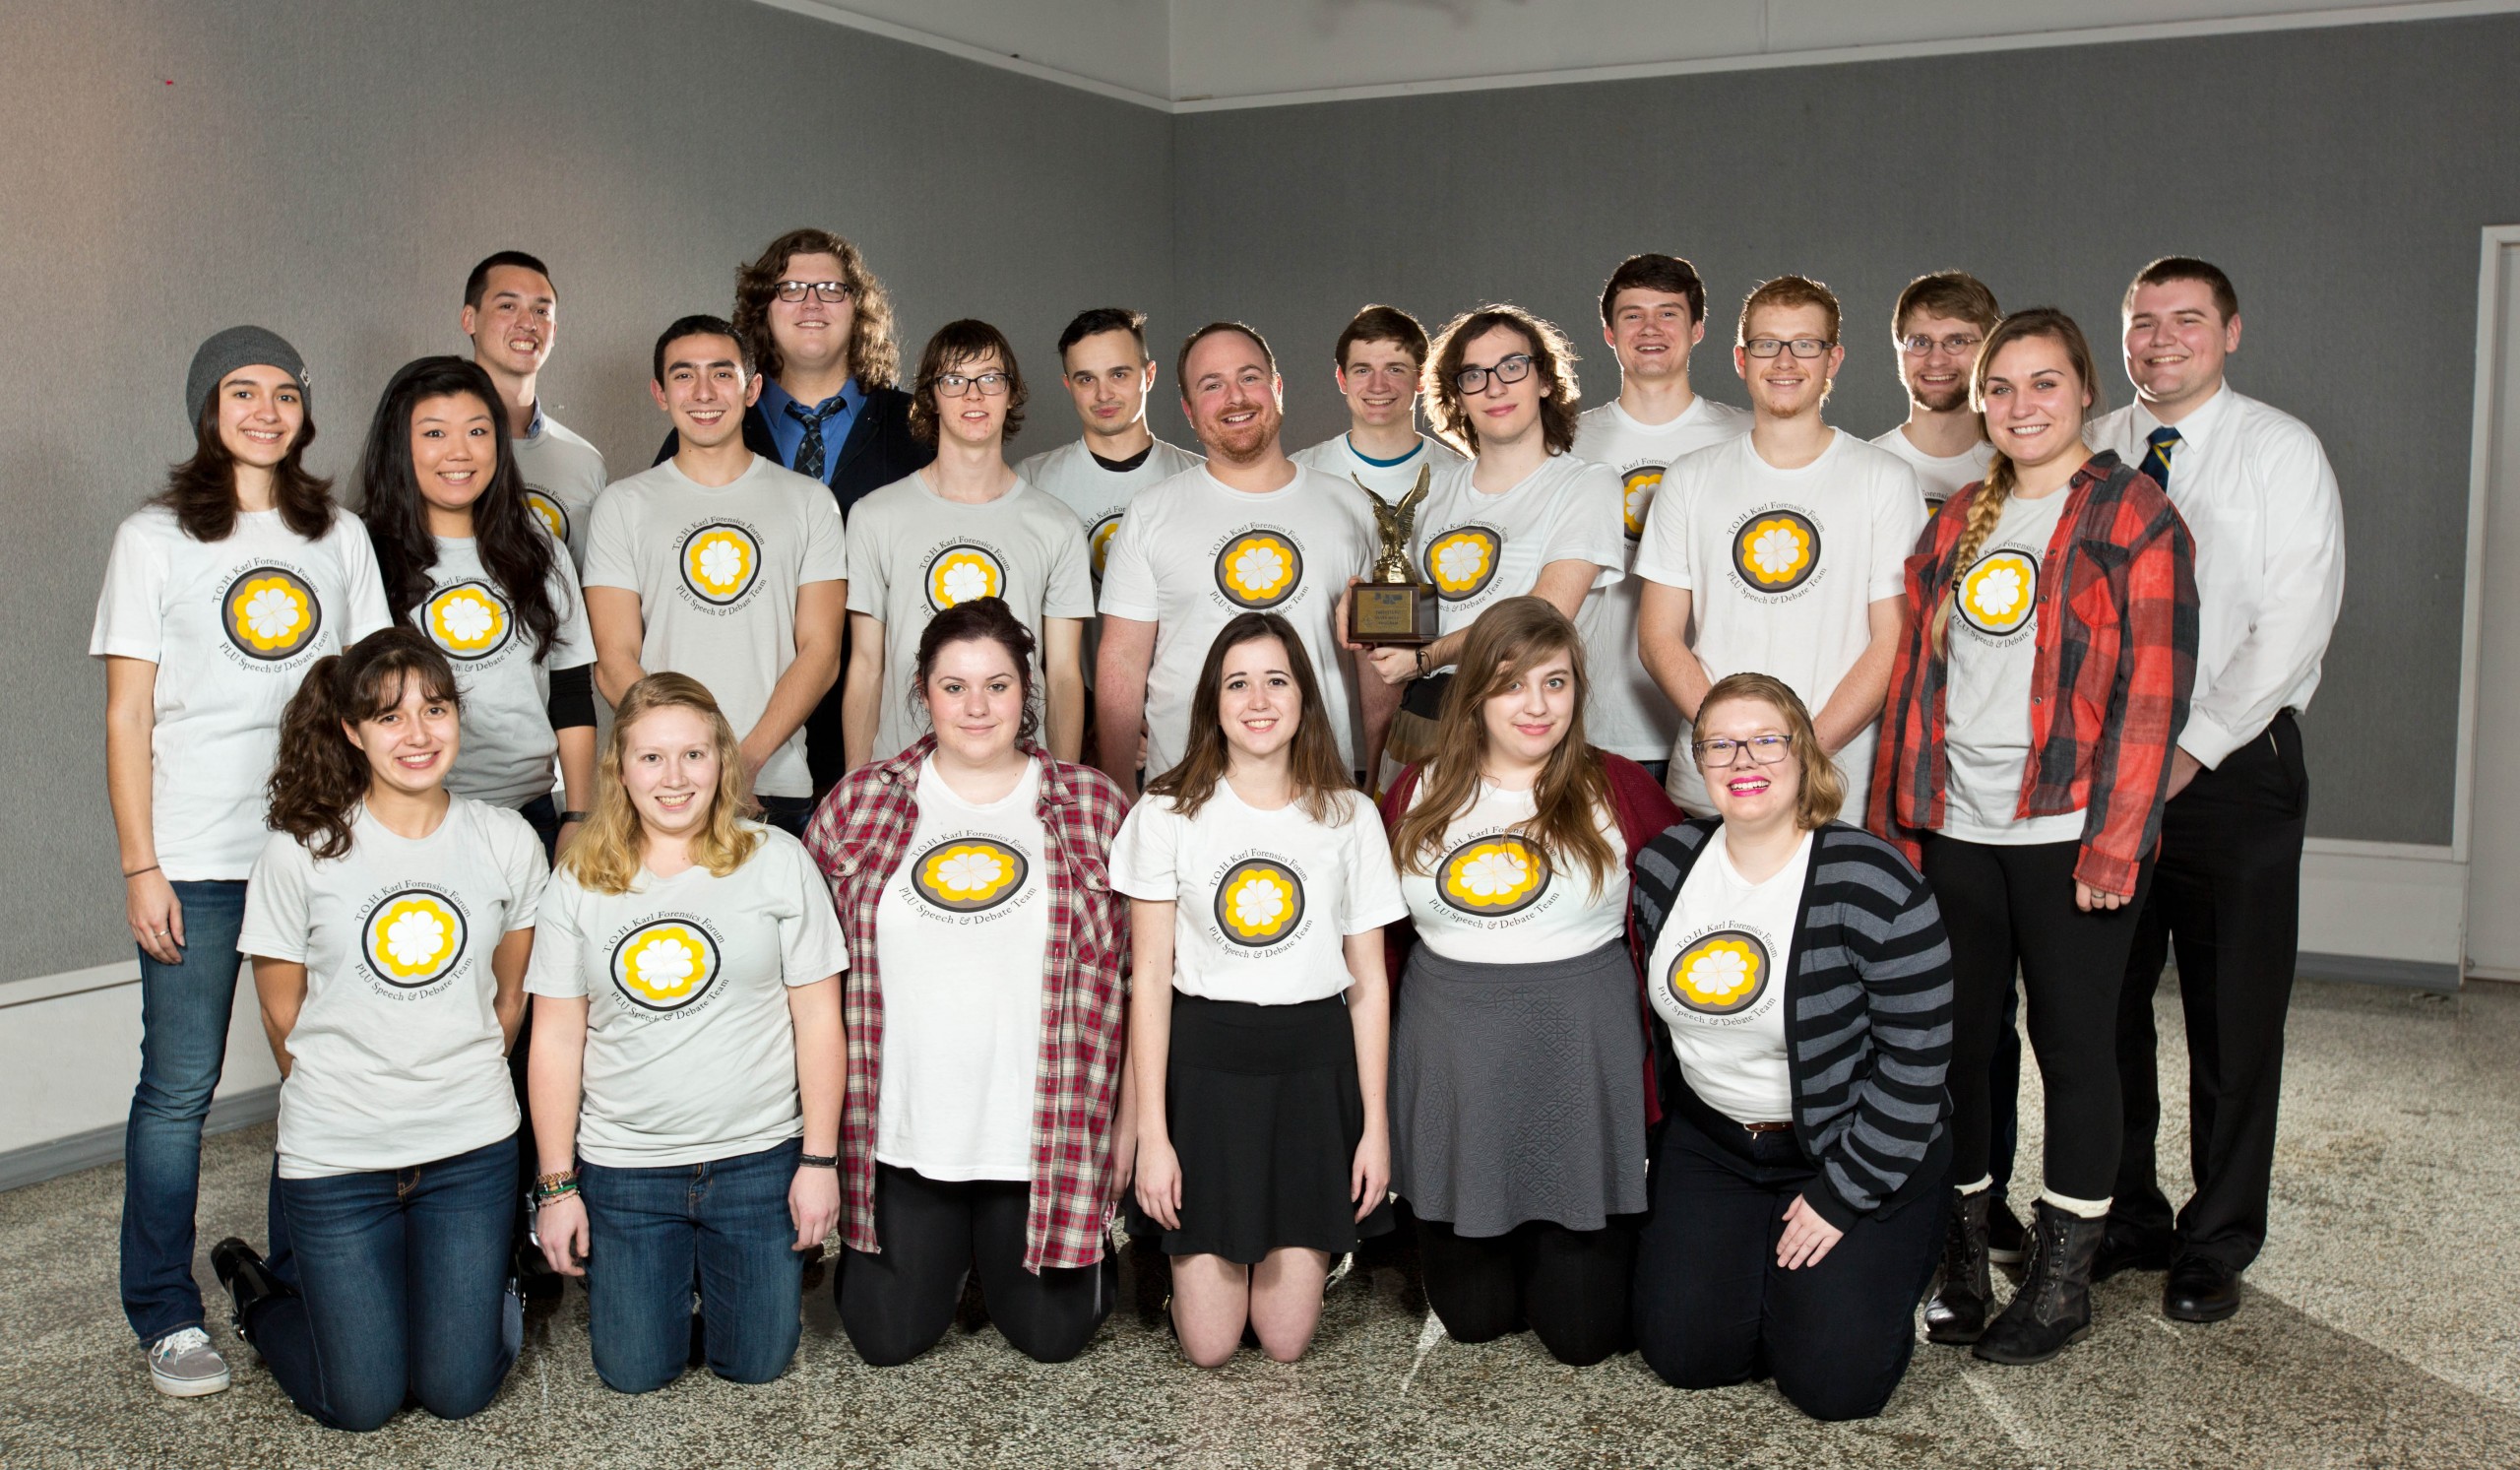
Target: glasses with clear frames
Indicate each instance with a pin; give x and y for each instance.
(1959, 344)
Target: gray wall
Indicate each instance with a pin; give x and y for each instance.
(2340, 176)
(331, 172)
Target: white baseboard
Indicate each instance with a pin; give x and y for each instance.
(2386, 912)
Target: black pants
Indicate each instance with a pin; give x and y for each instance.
(1713, 1307)
(896, 1304)
(1570, 1287)
(2003, 1095)
(790, 814)
(2228, 898)
(2010, 910)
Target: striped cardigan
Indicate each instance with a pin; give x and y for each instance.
(1867, 997)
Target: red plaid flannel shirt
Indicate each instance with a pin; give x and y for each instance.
(2116, 662)
(858, 836)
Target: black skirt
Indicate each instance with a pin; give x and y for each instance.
(1265, 1115)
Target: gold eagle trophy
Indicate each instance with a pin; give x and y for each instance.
(1392, 607)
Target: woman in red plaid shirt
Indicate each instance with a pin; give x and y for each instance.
(977, 1129)
(2026, 747)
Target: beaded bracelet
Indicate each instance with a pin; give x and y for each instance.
(550, 1186)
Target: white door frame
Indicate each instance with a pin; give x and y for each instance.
(2492, 285)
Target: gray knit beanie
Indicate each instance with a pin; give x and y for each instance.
(240, 347)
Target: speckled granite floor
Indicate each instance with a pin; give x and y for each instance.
(2382, 1330)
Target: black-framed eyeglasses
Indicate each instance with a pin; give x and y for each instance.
(1720, 753)
(826, 290)
(955, 385)
(1512, 369)
(1801, 347)
(1958, 344)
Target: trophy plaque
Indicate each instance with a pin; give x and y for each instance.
(1391, 607)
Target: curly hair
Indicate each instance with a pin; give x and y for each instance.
(1550, 354)
(319, 778)
(874, 357)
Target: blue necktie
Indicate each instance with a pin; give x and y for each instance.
(2164, 442)
(809, 454)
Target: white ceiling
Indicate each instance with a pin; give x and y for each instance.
(1196, 55)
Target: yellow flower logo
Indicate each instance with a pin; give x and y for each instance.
(1721, 973)
(1462, 561)
(551, 513)
(1640, 483)
(1491, 876)
(720, 562)
(271, 613)
(468, 621)
(1259, 903)
(664, 964)
(412, 937)
(1998, 593)
(968, 874)
(1097, 541)
(1777, 551)
(1259, 569)
(959, 574)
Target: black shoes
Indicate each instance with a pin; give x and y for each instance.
(2200, 1288)
(2006, 1242)
(240, 1271)
(1956, 1313)
(2053, 1309)
(2122, 1251)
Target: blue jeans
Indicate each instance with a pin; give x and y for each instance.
(184, 1009)
(402, 1291)
(722, 1227)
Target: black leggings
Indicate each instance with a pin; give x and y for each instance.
(2011, 909)
(896, 1304)
(1570, 1287)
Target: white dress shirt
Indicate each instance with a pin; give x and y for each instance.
(2262, 502)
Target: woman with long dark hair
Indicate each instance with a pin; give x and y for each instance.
(985, 1000)
(2035, 705)
(466, 561)
(1520, 1091)
(390, 922)
(1259, 882)
(219, 592)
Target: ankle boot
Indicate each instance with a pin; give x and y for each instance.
(249, 1283)
(1957, 1311)
(2053, 1309)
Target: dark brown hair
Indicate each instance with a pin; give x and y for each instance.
(1572, 793)
(1986, 506)
(1663, 273)
(1093, 321)
(2172, 268)
(980, 620)
(1322, 784)
(955, 343)
(1791, 291)
(1955, 296)
(1551, 356)
(874, 358)
(202, 490)
(319, 778)
(1380, 323)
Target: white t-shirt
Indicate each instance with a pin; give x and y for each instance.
(961, 933)
(231, 626)
(1480, 549)
(1781, 566)
(1194, 552)
(397, 1058)
(913, 553)
(1627, 713)
(1098, 494)
(1940, 477)
(1263, 901)
(1993, 645)
(1717, 979)
(1488, 900)
(563, 474)
(508, 740)
(1338, 459)
(717, 571)
(690, 1055)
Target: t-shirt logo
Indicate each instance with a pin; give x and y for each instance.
(1721, 975)
(961, 573)
(720, 562)
(1462, 561)
(1488, 877)
(1998, 593)
(1777, 551)
(551, 513)
(1097, 541)
(269, 612)
(1639, 485)
(1259, 903)
(1259, 569)
(411, 937)
(467, 621)
(664, 964)
(968, 874)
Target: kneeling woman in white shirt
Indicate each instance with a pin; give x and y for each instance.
(985, 1004)
(390, 923)
(686, 1068)
(1801, 969)
(1260, 1020)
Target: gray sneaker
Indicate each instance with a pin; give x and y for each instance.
(183, 1365)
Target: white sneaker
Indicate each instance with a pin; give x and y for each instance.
(183, 1365)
